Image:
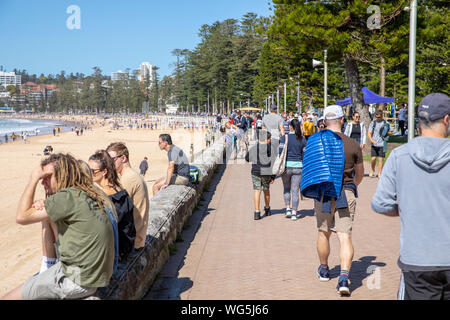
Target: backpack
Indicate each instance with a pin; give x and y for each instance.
(384, 129)
(194, 174)
(125, 222)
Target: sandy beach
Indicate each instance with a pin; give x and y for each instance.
(21, 251)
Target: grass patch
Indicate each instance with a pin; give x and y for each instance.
(368, 157)
(398, 139)
(179, 238)
(186, 226)
(172, 249)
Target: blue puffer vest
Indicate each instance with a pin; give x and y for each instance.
(323, 166)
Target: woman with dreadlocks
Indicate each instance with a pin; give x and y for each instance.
(85, 234)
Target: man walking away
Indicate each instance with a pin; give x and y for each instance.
(377, 135)
(262, 155)
(340, 212)
(415, 185)
(143, 166)
(274, 123)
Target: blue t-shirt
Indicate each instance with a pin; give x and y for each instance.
(294, 158)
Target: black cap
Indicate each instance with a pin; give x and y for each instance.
(434, 106)
(274, 107)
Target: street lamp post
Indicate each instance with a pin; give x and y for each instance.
(412, 69)
(325, 82)
(278, 100)
(285, 97)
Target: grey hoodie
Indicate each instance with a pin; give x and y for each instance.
(416, 177)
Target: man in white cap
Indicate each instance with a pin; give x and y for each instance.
(340, 219)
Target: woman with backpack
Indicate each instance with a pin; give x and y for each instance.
(296, 143)
(105, 175)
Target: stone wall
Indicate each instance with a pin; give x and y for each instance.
(169, 211)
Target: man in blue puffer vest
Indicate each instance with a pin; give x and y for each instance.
(337, 214)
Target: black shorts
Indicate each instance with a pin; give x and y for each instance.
(377, 152)
(425, 285)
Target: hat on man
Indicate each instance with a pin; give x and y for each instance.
(434, 106)
(334, 112)
(296, 115)
(274, 107)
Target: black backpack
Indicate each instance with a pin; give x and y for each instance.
(127, 231)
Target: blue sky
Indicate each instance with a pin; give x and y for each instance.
(113, 35)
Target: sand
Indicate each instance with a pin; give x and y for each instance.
(20, 250)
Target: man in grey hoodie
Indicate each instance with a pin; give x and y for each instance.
(415, 185)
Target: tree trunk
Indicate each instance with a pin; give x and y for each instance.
(354, 84)
(382, 81)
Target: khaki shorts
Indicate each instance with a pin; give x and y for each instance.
(261, 182)
(54, 285)
(340, 220)
(179, 180)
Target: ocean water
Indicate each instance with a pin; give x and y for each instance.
(8, 126)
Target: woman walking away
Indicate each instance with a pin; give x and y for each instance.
(296, 143)
(105, 175)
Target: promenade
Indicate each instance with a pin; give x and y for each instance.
(225, 254)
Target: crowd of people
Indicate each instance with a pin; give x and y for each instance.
(95, 213)
(327, 166)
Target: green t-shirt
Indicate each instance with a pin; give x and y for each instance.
(85, 235)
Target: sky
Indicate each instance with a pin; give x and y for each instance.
(113, 35)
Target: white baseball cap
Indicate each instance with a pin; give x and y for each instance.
(334, 109)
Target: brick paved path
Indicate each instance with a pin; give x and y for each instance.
(227, 255)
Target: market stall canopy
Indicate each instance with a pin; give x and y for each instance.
(369, 98)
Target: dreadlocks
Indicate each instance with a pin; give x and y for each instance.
(69, 173)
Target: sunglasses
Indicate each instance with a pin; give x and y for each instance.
(94, 171)
(116, 157)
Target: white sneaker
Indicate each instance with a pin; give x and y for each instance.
(294, 215)
(288, 213)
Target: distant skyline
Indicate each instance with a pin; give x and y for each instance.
(113, 35)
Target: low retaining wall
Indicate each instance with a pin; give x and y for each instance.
(169, 211)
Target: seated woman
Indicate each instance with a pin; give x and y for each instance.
(105, 175)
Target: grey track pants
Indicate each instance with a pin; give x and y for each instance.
(291, 186)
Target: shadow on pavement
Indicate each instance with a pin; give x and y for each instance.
(359, 271)
(169, 286)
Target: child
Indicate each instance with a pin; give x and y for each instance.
(262, 157)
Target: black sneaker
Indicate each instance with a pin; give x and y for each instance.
(257, 215)
(267, 211)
